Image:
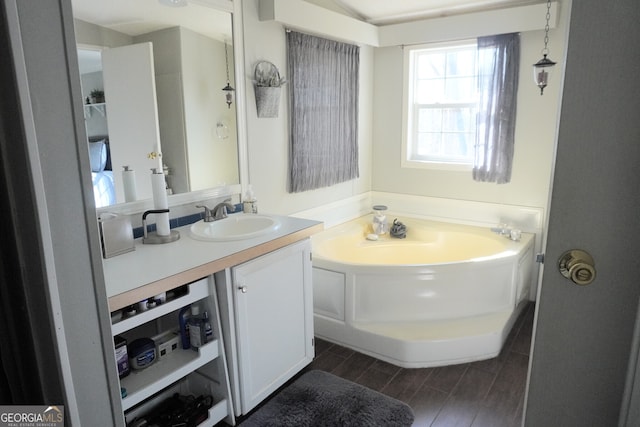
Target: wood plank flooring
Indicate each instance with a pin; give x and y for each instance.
(488, 393)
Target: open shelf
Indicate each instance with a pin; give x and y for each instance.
(99, 107)
(146, 382)
(195, 384)
(197, 291)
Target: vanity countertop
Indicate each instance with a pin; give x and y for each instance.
(153, 269)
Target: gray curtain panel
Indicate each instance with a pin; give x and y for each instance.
(498, 68)
(323, 92)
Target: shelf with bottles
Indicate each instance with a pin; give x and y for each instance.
(195, 386)
(143, 383)
(193, 292)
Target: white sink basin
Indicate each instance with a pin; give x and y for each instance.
(234, 227)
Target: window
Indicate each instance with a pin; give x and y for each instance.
(441, 106)
(323, 102)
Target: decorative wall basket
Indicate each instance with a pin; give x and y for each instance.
(267, 101)
(267, 86)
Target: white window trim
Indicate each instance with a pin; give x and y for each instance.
(407, 90)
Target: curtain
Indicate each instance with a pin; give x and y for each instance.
(498, 68)
(323, 102)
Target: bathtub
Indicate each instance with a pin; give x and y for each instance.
(446, 294)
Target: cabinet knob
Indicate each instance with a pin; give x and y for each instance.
(243, 289)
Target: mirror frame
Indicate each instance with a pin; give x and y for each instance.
(235, 9)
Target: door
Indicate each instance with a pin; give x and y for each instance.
(583, 334)
(132, 114)
(274, 318)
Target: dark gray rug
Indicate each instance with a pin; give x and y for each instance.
(318, 398)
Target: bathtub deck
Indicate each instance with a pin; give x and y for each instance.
(489, 393)
(425, 343)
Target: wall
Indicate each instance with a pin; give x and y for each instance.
(268, 138)
(535, 133)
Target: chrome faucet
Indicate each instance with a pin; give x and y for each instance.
(221, 209)
(208, 216)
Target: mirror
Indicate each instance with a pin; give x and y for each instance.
(193, 60)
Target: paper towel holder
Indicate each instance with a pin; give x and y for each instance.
(153, 237)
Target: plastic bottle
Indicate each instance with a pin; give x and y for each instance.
(196, 329)
(380, 225)
(183, 321)
(208, 330)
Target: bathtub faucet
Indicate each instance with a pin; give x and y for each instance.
(510, 233)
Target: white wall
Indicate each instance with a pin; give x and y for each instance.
(268, 138)
(535, 133)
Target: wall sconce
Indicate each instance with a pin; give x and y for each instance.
(228, 90)
(542, 68)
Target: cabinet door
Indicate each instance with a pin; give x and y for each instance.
(274, 317)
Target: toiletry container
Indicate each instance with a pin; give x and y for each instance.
(380, 225)
(208, 330)
(250, 204)
(142, 353)
(122, 359)
(183, 323)
(196, 329)
(116, 234)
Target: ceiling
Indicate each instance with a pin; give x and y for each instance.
(135, 17)
(382, 12)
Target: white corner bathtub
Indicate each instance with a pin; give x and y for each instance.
(445, 294)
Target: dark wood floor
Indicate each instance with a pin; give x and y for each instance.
(488, 393)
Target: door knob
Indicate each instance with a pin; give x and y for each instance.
(577, 266)
(243, 289)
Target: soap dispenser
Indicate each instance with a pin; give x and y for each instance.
(380, 224)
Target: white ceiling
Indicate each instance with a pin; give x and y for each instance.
(135, 17)
(381, 12)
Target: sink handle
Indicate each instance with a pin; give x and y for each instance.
(208, 216)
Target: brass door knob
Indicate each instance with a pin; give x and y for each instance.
(577, 266)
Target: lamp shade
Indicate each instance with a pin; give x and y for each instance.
(542, 71)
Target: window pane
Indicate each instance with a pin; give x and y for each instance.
(458, 120)
(428, 143)
(455, 145)
(460, 89)
(461, 63)
(430, 120)
(430, 65)
(429, 91)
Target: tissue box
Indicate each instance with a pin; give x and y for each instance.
(116, 234)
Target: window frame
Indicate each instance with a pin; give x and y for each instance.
(409, 113)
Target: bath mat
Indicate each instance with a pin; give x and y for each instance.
(319, 398)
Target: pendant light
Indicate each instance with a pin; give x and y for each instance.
(542, 68)
(228, 90)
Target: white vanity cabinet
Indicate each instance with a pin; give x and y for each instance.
(184, 371)
(267, 314)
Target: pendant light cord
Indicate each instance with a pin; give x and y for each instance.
(545, 51)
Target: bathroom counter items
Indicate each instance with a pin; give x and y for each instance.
(153, 269)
